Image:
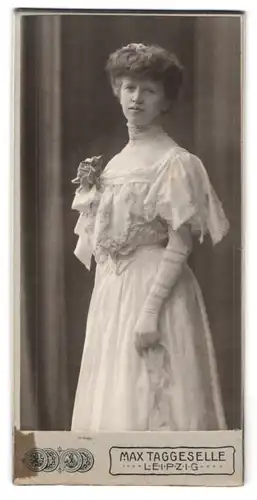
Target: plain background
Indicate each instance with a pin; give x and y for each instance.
(251, 261)
(68, 112)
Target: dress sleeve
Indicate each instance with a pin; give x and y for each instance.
(84, 199)
(183, 194)
(85, 202)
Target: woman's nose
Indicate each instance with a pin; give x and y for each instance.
(137, 95)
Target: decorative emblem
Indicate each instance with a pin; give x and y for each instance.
(87, 460)
(52, 460)
(49, 460)
(36, 459)
(71, 460)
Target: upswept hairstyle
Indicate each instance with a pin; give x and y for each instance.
(149, 61)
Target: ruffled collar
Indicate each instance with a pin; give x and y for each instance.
(143, 133)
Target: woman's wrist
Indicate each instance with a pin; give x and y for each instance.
(153, 305)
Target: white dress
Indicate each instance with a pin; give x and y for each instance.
(148, 190)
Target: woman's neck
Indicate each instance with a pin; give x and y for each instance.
(142, 133)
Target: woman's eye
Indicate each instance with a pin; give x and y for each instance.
(132, 88)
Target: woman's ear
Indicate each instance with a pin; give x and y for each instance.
(116, 84)
(167, 105)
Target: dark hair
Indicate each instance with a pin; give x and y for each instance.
(149, 61)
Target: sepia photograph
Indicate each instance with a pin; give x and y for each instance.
(129, 168)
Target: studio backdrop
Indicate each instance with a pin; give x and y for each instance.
(68, 113)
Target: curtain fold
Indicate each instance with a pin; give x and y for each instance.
(217, 137)
(47, 344)
(53, 346)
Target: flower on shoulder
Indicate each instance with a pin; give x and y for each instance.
(89, 171)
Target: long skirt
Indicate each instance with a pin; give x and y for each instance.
(172, 386)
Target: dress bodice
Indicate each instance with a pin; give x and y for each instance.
(150, 188)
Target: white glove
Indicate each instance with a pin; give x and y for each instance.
(174, 258)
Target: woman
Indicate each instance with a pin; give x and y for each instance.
(148, 361)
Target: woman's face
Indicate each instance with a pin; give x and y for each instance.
(142, 100)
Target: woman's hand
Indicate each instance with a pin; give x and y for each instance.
(146, 331)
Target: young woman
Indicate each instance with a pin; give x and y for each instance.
(148, 361)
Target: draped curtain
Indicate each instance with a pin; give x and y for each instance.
(68, 113)
(217, 140)
(44, 337)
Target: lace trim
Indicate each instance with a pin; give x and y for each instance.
(153, 202)
(160, 378)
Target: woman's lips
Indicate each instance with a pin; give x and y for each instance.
(136, 109)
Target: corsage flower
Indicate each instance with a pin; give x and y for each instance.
(89, 172)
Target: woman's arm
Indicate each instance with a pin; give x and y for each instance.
(174, 258)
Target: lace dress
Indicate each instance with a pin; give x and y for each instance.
(149, 189)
